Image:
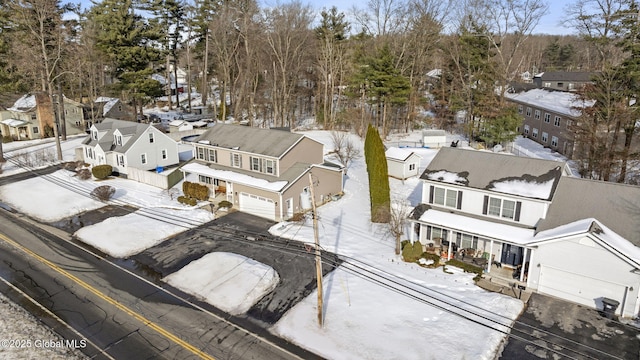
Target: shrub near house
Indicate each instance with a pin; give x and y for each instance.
(101, 172)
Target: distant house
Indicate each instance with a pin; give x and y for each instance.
(402, 163)
(563, 80)
(548, 116)
(263, 172)
(434, 138)
(33, 115)
(572, 238)
(179, 125)
(107, 107)
(126, 144)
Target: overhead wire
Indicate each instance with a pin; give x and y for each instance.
(349, 265)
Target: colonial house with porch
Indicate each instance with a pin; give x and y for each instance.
(263, 172)
(572, 238)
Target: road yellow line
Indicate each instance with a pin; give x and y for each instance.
(160, 330)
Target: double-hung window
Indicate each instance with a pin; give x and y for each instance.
(236, 160)
(445, 197)
(502, 208)
(255, 163)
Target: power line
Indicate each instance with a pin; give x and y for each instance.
(364, 271)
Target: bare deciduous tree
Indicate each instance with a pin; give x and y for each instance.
(595, 21)
(345, 149)
(398, 216)
(288, 37)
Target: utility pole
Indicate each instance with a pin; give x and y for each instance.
(317, 243)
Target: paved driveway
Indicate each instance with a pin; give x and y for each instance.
(294, 264)
(575, 331)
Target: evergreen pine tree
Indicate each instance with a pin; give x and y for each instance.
(127, 40)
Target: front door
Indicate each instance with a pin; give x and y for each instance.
(230, 192)
(511, 254)
(289, 207)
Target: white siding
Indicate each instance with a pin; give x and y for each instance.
(396, 169)
(153, 151)
(583, 256)
(473, 201)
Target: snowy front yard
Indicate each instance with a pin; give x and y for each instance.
(363, 319)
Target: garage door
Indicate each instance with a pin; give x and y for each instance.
(580, 289)
(257, 206)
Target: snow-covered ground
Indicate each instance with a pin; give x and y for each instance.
(362, 319)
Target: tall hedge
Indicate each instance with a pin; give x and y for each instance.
(379, 192)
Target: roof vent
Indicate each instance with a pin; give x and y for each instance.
(206, 142)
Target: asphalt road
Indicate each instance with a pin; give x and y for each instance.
(126, 316)
(551, 328)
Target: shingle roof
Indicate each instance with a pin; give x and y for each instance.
(110, 126)
(580, 76)
(267, 142)
(483, 169)
(615, 205)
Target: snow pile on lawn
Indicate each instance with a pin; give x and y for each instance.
(23, 156)
(46, 201)
(128, 235)
(230, 282)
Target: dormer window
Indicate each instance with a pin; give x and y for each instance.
(94, 134)
(117, 139)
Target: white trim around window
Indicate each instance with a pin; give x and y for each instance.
(501, 208)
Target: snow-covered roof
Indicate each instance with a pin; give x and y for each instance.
(598, 230)
(447, 177)
(109, 103)
(521, 187)
(25, 103)
(13, 122)
(559, 102)
(400, 154)
(234, 177)
(177, 122)
(495, 172)
(483, 228)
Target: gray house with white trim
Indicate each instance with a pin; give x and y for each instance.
(571, 238)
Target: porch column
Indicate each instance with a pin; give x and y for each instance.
(524, 258)
(412, 231)
(490, 260)
(449, 233)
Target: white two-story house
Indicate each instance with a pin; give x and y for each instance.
(126, 144)
(263, 172)
(567, 237)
